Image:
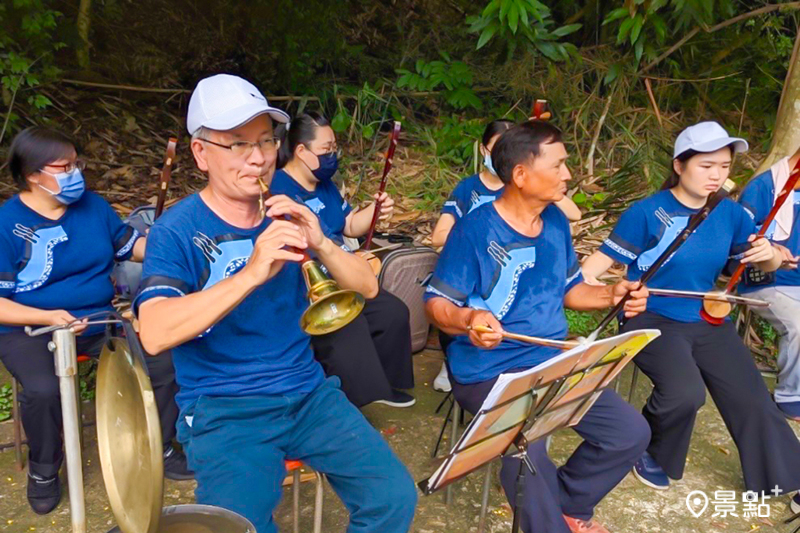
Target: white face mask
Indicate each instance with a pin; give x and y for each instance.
(487, 162)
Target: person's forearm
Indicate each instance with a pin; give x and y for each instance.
(168, 322)
(583, 297)
(596, 265)
(359, 222)
(569, 208)
(138, 250)
(442, 230)
(448, 317)
(15, 314)
(349, 270)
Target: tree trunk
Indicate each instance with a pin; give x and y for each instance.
(786, 134)
(83, 23)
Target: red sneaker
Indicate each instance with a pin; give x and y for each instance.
(579, 526)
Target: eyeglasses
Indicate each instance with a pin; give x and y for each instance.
(334, 150)
(245, 148)
(69, 167)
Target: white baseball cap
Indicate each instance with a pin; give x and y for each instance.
(223, 102)
(707, 137)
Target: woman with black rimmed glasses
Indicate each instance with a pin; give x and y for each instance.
(58, 244)
(372, 355)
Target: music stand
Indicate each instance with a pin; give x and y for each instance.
(527, 406)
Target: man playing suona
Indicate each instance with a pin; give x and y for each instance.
(222, 287)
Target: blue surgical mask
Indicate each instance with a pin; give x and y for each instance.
(70, 184)
(487, 162)
(328, 165)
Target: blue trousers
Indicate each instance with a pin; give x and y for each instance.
(237, 447)
(615, 436)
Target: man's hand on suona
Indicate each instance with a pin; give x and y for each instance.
(270, 253)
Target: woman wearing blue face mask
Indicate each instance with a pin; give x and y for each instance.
(372, 354)
(58, 244)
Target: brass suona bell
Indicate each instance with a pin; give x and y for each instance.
(331, 308)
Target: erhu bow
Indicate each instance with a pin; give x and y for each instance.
(694, 222)
(715, 311)
(331, 308)
(166, 172)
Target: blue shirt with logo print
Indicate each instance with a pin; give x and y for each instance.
(487, 264)
(758, 198)
(469, 194)
(325, 201)
(649, 226)
(64, 263)
(258, 349)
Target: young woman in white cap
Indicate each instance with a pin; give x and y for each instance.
(691, 354)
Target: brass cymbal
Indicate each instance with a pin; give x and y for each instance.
(129, 439)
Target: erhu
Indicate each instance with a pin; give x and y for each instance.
(166, 172)
(331, 308)
(715, 311)
(694, 222)
(365, 252)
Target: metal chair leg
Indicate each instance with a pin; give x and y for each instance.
(634, 378)
(318, 503)
(487, 482)
(296, 501)
(448, 495)
(444, 427)
(15, 413)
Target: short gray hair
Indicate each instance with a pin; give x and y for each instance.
(201, 133)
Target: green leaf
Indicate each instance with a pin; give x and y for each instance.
(612, 73)
(638, 49)
(40, 101)
(523, 14)
(505, 5)
(513, 18)
(659, 26)
(341, 122)
(368, 132)
(549, 50)
(579, 198)
(624, 30)
(491, 8)
(566, 30)
(638, 22)
(486, 36)
(620, 12)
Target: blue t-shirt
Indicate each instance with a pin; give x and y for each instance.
(486, 264)
(258, 348)
(758, 198)
(469, 194)
(649, 226)
(325, 201)
(65, 263)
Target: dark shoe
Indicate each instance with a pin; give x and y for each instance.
(790, 410)
(175, 466)
(648, 472)
(43, 493)
(398, 399)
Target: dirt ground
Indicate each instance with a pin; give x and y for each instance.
(630, 508)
